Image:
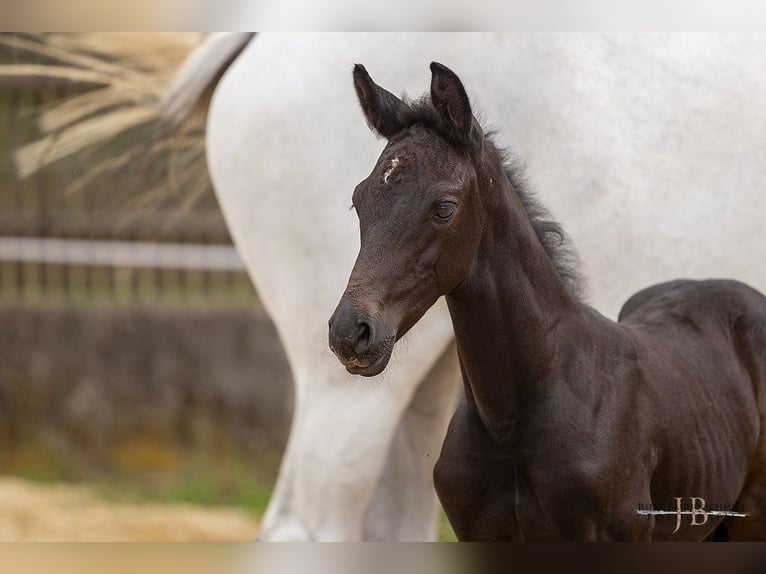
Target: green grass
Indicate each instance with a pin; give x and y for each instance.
(247, 494)
(445, 533)
(153, 475)
(200, 478)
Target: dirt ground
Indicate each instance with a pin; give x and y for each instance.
(35, 512)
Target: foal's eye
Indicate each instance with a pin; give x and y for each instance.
(444, 211)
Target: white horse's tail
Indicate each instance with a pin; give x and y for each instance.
(156, 80)
(198, 72)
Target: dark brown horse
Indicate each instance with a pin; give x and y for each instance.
(571, 423)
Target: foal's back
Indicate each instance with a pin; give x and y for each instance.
(706, 313)
(712, 334)
(693, 323)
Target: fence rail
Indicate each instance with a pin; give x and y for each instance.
(120, 254)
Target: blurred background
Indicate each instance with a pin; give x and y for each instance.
(138, 368)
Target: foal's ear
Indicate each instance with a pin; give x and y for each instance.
(451, 101)
(385, 113)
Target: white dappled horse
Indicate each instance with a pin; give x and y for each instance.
(646, 146)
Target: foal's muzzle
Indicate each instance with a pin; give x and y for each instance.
(359, 340)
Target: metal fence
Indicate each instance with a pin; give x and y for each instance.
(114, 239)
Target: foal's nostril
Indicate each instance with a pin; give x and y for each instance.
(363, 336)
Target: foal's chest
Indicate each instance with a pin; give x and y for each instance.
(476, 485)
(491, 492)
(480, 485)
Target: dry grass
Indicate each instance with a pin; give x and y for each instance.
(128, 74)
(35, 512)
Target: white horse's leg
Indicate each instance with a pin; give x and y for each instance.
(397, 513)
(339, 443)
(404, 504)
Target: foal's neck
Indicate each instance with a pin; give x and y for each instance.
(507, 312)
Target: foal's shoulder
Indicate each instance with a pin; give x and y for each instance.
(694, 296)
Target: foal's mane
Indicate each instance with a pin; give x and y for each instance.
(556, 243)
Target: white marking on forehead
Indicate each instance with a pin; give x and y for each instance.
(394, 164)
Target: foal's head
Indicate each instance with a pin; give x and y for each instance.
(419, 213)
